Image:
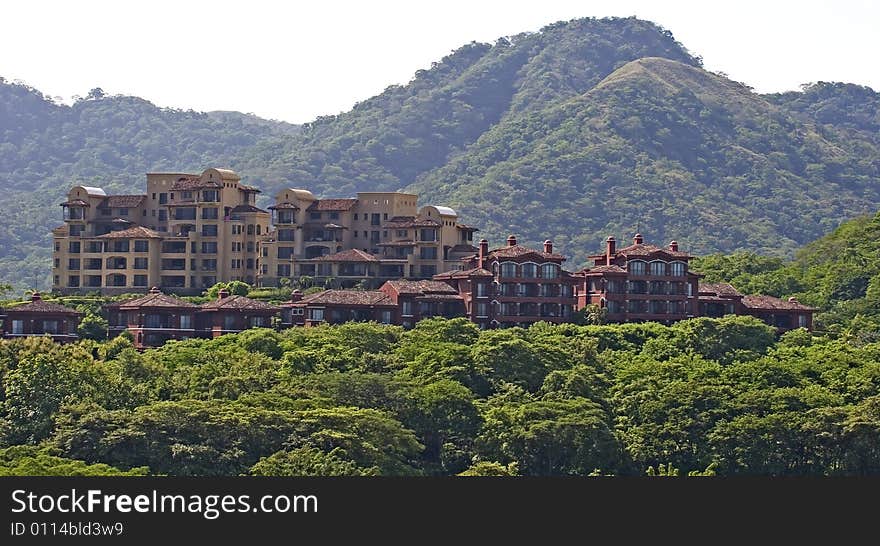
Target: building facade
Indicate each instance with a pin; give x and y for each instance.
(185, 234)
(640, 282)
(40, 318)
(420, 299)
(230, 314)
(719, 299)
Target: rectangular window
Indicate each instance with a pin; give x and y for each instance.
(355, 216)
(120, 246)
(163, 198)
(480, 290)
(283, 270)
(402, 233)
(73, 247)
(375, 219)
(209, 213)
(334, 216)
(427, 271)
(508, 270)
(73, 281)
(73, 264)
(140, 263)
(76, 230)
(285, 234)
(316, 314)
(209, 230)
(140, 280)
(210, 196)
(428, 253)
(209, 265)
(678, 269)
(141, 246)
(209, 248)
(314, 215)
(285, 252)
(637, 267)
(163, 215)
(406, 308)
(17, 326)
(481, 310)
(428, 235)
(123, 212)
(658, 268)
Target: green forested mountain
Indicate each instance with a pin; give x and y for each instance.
(585, 128)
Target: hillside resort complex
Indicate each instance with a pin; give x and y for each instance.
(383, 257)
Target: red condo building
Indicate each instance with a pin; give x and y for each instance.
(640, 282)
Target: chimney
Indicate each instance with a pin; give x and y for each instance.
(36, 297)
(548, 246)
(610, 249)
(155, 290)
(637, 239)
(793, 300)
(484, 250)
(222, 293)
(511, 241)
(296, 295)
(673, 246)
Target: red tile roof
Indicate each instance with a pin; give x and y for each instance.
(186, 183)
(400, 222)
(137, 232)
(285, 205)
(475, 272)
(122, 201)
(604, 269)
(517, 251)
(404, 286)
(353, 255)
(238, 303)
(347, 297)
(644, 249)
(772, 303)
(38, 306)
(75, 203)
(718, 289)
(156, 299)
(332, 204)
(247, 208)
(439, 297)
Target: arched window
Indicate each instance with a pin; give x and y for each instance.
(529, 270)
(508, 269)
(636, 267)
(259, 227)
(658, 268)
(678, 269)
(250, 229)
(549, 271)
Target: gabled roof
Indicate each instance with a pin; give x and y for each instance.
(75, 203)
(644, 249)
(718, 289)
(284, 205)
(187, 183)
(38, 306)
(137, 232)
(353, 255)
(332, 204)
(771, 303)
(122, 201)
(156, 299)
(348, 297)
(247, 208)
(238, 303)
(475, 272)
(402, 222)
(517, 251)
(404, 286)
(604, 269)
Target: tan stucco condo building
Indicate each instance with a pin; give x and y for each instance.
(190, 231)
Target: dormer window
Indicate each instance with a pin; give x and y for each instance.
(636, 267)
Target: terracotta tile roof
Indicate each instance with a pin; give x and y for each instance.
(771, 303)
(404, 286)
(439, 297)
(718, 289)
(186, 183)
(463, 248)
(157, 299)
(285, 205)
(122, 201)
(399, 222)
(604, 269)
(76, 203)
(348, 297)
(332, 204)
(238, 303)
(38, 306)
(139, 232)
(475, 272)
(517, 251)
(644, 249)
(353, 255)
(247, 208)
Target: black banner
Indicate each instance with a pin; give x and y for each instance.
(122, 510)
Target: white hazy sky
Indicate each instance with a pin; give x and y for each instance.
(296, 60)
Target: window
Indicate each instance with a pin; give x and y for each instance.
(250, 229)
(141, 246)
(355, 216)
(334, 216)
(186, 322)
(105, 212)
(286, 234)
(481, 310)
(76, 230)
(123, 212)
(658, 268)
(249, 263)
(58, 246)
(314, 215)
(677, 269)
(73, 281)
(402, 232)
(385, 317)
(636, 267)
(236, 229)
(119, 246)
(406, 308)
(285, 252)
(258, 322)
(209, 265)
(140, 263)
(375, 219)
(209, 230)
(163, 215)
(73, 264)
(73, 247)
(480, 290)
(258, 228)
(265, 250)
(209, 213)
(163, 198)
(428, 235)
(140, 280)
(185, 195)
(802, 321)
(283, 270)
(549, 271)
(210, 196)
(250, 246)
(184, 213)
(154, 197)
(529, 270)
(209, 248)
(236, 264)
(428, 253)
(508, 270)
(316, 314)
(17, 326)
